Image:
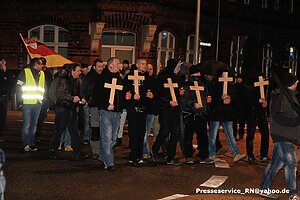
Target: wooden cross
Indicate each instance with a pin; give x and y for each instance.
(171, 86)
(136, 79)
(225, 79)
(261, 83)
(197, 89)
(113, 87)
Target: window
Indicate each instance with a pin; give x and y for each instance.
(236, 52)
(53, 36)
(293, 60)
(291, 6)
(119, 44)
(247, 2)
(276, 5)
(267, 60)
(264, 4)
(165, 49)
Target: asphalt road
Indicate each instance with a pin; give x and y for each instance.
(33, 175)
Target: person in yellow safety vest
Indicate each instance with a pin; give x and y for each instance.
(31, 89)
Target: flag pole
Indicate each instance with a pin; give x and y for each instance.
(25, 45)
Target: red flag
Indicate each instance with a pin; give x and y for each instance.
(38, 49)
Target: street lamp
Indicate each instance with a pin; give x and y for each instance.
(196, 57)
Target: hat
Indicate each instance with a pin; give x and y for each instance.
(288, 79)
(194, 69)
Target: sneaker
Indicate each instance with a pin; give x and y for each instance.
(222, 151)
(251, 160)
(294, 197)
(151, 135)
(239, 157)
(80, 156)
(214, 158)
(119, 142)
(110, 168)
(269, 195)
(68, 148)
(26, 148)
(189, 161)
(173, 162)
(206, 161)
(59, 147)
(33, 148)
(86, 142)
(146, 156)
(264, 158)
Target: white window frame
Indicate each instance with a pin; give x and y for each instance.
(293, 63)
(267, 58)
(276, 5)
(192, 52)
(247, 2)
(56, 44)
(113, 49)
(165, 49)
(291, 6)
(264, 3)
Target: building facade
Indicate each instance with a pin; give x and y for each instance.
(247, 34)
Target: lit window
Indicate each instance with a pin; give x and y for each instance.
(165, 49)
(53, 36)
(267, 59)
(293, 60)
(190, 49)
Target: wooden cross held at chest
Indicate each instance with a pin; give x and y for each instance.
(261, 83)
(113, 87)
(136, 79)
(225, 79)
(171, 86)
(197, 89)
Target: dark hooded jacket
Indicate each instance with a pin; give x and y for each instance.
(284, 121)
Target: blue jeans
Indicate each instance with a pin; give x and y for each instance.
(65, 138)
(30, 118)
(109, 125)
(2, 185)
(149, 123)
(122, 123)
(86, 128)
(227, 126)
(283, 155)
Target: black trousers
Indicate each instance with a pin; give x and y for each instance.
(241, 120)
(169, 120)
(195, 124)
(3, 113)
(66, 118)
(42, 117)
(262, 123)
(137, 130)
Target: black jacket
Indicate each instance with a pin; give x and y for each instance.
(144, 86)
(6, 82)
(101, 94)
(284, 121)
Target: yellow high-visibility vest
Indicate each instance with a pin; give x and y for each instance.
(33, 93)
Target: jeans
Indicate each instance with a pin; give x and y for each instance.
(65, 138)
(169, 120)
(149, 123)
(2, 185)
(109, 124)
(31, 114)
(66, 119)
(86, 122)
(122, 123)
(227, 126)
(283, 155)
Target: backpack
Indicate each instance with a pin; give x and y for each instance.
(52, 91)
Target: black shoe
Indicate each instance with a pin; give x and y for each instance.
(251, 160)
(110, 168)
(174, 162)
(119, 142)
(33, 148)
(53, 155)
(1, 139)
(80, 156)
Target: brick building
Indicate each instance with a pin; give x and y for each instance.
(252, 33)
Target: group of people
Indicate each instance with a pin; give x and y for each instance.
(182, 100)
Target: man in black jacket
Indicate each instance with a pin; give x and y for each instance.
(109, 113)
(136, 106)
(285, 129)
(169, 114)
(6, 81)
(68, 98)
